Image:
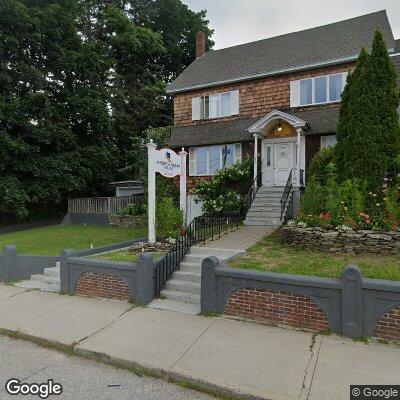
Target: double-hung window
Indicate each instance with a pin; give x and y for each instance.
(215, 105)
(328, 141)
(318, 90)
(208, 160)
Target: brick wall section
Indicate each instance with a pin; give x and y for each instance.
(388, 326)
(256, 97)
(102, 285)
(276, 307)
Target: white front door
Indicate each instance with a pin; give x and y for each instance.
(283, 162)
(277, 162)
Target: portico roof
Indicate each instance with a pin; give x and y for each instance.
(272, 118)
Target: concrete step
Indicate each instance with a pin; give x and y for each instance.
(182, 286)
(271, 189)
(220, 253)
(197, 259)
(181, 296)
(266, 203)
(32, 284)
(186, 276)
(266, 207)
(271, 195)
(264, 213)
(52, 271)
(262, 222)
(178, 306)
(190, 267)
(46, 278)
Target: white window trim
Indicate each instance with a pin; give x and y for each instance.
(324, 137)
(219, 96)
(313, 103)
(193, 162)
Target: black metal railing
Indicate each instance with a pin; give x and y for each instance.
(251, 194)
(198, 231)
(286, 192)
(302, 177)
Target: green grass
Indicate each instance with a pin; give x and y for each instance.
(125, 255)
(52, 240)
(271, 254)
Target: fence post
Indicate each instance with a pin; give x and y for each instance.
(8, 263)
(207, 299)
(144, 292)
(352, 302)
(65, 281)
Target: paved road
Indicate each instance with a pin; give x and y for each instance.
(81, 379)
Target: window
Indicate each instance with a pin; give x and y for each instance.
(215, 105)
(328, 141)
(209, 160)
(318, 90)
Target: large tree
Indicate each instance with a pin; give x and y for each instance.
(368, 131)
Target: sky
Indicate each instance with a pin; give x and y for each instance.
(241, 21)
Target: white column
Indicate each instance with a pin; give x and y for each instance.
(182, 185)
(299, 132)
(255, 160)
(151, 188)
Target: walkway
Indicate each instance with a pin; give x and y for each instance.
(241, 238)
(216, 353)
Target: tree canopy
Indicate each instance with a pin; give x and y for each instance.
(368, 134)
(79, 80)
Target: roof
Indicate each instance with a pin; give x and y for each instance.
(329, 44)
(319, 121)
(397, 45)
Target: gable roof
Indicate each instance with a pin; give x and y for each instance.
(323, 45)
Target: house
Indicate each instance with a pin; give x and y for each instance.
(276, 99)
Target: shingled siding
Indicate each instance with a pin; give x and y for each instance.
(257, 97)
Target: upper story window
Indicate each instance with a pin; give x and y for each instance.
(216, 105)
(208, 160)
(317, 90)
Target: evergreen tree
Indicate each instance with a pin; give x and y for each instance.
(368, 130)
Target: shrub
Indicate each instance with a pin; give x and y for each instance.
(133, 209)
(169, 218)
(318, 168)
(313, 201)
(227, 189)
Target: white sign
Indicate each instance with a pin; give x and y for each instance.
(167, 163)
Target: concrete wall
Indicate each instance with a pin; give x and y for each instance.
(352, 306)
(108, 279)
(99, 219)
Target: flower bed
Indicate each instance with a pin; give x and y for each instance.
(342, 240)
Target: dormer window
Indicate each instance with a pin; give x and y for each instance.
(215, 105)
(317, 90)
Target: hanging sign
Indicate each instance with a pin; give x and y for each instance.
(167, 163)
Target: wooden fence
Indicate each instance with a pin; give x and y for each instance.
(109, 205)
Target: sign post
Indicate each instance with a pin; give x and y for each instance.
(168, 164)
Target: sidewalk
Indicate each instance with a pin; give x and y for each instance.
(245, 358)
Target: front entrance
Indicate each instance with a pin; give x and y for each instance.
(278, 159)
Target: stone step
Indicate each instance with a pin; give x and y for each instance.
(52, 271)
(190, 267)
(182, 286)
(181, 296)
(173, 305)
(46, 278)
(186, 276)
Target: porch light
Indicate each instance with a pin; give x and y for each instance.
(279, 126)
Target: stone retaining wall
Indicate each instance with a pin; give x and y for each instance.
(127, 221)
(343, 241)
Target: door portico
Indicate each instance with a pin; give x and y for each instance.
(282, 148)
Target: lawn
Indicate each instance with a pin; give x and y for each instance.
(271, 254)
(125, 255)
(52, 240)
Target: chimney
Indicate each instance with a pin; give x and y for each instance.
(200, 44)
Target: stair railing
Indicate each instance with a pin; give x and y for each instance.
(286, 192)
(251, 194)
(199, 230)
